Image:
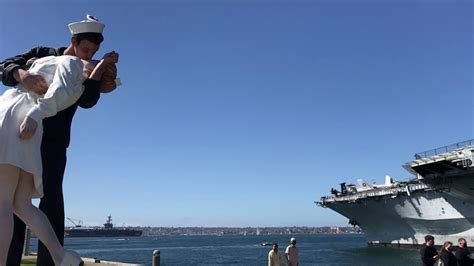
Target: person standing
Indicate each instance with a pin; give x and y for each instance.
(462, 253)
(87, 35)
(274, 257)
(446, 257)
(428, 252)
(292, 254)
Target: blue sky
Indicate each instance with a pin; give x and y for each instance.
(242, 113)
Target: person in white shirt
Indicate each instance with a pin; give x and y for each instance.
(292, 254)
(274, 257)
(21, 115)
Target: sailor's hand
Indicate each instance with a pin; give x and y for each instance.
(31, 60)
(32, 82)
(27, 128)
(436, 257)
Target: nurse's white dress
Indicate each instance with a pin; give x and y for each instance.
(64, 75)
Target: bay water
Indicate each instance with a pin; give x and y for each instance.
(315, 249)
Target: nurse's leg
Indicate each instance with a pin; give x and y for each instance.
(9, 176)
(35, 218)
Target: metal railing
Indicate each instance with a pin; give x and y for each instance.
(377, 192)
(445, 149)
(26, 246)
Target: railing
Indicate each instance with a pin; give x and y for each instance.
(26, 246)
(445, 149)
(377, 192)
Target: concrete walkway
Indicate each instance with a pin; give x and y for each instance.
(31, 260)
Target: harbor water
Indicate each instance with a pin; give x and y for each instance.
(315, 249)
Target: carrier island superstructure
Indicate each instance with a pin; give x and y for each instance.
(438, 200)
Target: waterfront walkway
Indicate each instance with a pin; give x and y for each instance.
(31, 260)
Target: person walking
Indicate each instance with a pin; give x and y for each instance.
(291, 253)
(274, 257)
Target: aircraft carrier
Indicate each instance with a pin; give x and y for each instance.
(438, 200)
(107, 231)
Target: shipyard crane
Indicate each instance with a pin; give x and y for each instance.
(78, 224)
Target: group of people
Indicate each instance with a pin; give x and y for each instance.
(291, 255)
(449, 254)
(47, 86)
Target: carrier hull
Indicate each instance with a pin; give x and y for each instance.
(102, 232)
(405, 220)
(439, 201)
(107, 231)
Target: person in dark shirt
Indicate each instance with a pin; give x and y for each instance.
(86, 38)
(428, 253)
(462, 253)
(446, 257)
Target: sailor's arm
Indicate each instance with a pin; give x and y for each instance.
(13, 72)
(91, 94)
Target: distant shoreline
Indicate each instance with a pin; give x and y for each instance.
(247, 231)
(240, 231)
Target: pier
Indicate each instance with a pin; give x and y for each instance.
(31, 260)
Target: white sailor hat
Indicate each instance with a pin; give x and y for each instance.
(91, 24)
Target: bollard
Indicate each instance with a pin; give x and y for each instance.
(156, 258)
(26, 248)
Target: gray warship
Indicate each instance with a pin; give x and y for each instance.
(107, 231)
(437, 200)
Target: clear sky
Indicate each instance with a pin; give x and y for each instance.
(243, 113)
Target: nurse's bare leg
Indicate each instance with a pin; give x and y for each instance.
(34, 218)
(9, 176)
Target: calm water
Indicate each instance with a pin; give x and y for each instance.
(240, 250)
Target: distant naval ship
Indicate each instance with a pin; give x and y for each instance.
(107, 231)
(439, 200)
